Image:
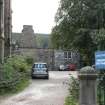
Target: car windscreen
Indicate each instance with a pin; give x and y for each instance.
(40, 66)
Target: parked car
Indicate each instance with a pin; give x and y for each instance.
(71, 67)
(40, 69)
(64, 67)
(61, 67)
(67, 67)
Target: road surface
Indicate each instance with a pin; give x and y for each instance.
(43, 92)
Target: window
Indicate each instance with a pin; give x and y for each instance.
(67, 55)
(39, 66)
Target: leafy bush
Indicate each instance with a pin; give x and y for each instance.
(70, 101)
(13, 74)
(73, 97)
(29, 60)
(18, 63)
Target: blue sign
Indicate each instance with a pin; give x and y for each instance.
(100, 60)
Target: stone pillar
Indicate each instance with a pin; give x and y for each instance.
(88, 92)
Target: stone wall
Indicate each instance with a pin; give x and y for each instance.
(39, 55)
(49, 56)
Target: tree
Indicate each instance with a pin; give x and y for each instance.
(78, 25)
(43, 41)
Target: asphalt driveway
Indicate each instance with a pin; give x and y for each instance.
(42, 91)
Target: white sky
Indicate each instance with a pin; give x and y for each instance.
(39, 13)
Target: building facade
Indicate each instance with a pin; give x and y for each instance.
(26, 44)
(64, 57)
(34, 45)
(28, 35)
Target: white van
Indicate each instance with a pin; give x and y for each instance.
(40, 69)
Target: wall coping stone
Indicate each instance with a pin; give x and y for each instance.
(87, 76)
(87, 73)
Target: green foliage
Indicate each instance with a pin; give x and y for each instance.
(73, 97)
(101, 87)
(79, 24)
(43, 41)
(70, 101)
(20, 86)
(99, 38)
(13, 73)
(74, 88)
(18, 63)
(29, 60)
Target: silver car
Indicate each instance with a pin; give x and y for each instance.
(40, 69)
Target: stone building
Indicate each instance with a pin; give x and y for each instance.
(5, 29)
(64, 57)
(34, 45)
(27, 44)
(27, 41)
(28, 38)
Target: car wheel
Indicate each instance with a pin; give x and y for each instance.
(32, 77)
(59, 70)
(47, 77)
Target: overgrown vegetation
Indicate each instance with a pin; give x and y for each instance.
(101, 87)
(73, 96)
(14, 74)
(43, 41)
(81, 25)
(29, 60)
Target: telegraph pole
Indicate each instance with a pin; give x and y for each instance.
(1, 31)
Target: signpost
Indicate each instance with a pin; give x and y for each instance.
(100, 60)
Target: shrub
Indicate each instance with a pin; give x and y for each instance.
(18, 63)
(13, 74)
(73, 97)
(29, 60)
(70, 101)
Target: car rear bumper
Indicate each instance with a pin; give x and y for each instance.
(39, 75)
